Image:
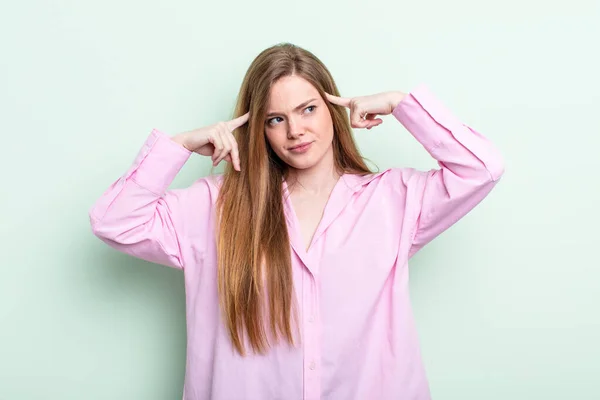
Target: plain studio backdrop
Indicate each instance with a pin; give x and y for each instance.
(506, 301)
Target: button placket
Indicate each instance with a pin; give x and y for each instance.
(312, 379)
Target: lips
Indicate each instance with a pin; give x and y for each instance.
(301, 148)
(300, 145)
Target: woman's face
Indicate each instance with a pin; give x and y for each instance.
(297, 115)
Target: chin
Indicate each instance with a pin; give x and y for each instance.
(301, 165)
(303, 162)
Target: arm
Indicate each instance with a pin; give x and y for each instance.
(137, 215)
(470, 165)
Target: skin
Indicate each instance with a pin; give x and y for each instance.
(312, 123)
(287, 127)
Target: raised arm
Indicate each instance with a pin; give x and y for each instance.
(139, 216)
(470, 165)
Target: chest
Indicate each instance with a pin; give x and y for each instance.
(309, 212)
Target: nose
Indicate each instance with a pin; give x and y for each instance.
(295, 128)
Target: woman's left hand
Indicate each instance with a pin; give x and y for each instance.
(364, 109)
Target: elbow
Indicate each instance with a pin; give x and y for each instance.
(481, 178)
(103, 229)
(120, 231)
(98, 228)
(496, 168)
(489, 177)
(489, 169)
(496, 172)
(495, 164)
(493, 173)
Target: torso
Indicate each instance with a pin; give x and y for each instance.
(309, 211)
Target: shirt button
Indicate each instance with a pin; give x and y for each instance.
(312, 365)
(311, 319)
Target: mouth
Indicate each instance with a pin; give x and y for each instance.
(302, 147)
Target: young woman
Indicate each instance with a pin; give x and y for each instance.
(296, 258)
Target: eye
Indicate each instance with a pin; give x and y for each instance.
(313, 107)
(270, 121)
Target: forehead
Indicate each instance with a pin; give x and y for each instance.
(290, 91)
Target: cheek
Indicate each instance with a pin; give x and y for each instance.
(275, 139)
(324, 121)
(325, 127)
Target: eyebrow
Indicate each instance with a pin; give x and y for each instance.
(295, 109)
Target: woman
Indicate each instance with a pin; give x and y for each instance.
(296, 258)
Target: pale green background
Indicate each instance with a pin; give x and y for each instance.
(506, 301)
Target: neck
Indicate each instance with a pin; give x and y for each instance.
(316, 180)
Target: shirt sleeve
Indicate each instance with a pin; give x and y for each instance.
(470, 165)
(137, 215)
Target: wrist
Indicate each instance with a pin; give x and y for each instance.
(181, 139)
(396, 98)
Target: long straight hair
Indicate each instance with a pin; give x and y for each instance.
(256, 293)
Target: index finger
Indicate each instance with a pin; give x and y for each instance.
(340, 101)
(237, 122)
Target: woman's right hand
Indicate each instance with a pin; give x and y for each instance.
(215, 140)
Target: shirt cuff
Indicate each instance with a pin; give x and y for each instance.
(158, 162)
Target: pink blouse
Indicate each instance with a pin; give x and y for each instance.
(358, 337)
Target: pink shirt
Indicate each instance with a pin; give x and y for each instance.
(358, 335)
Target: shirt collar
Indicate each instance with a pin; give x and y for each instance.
(356, 182)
